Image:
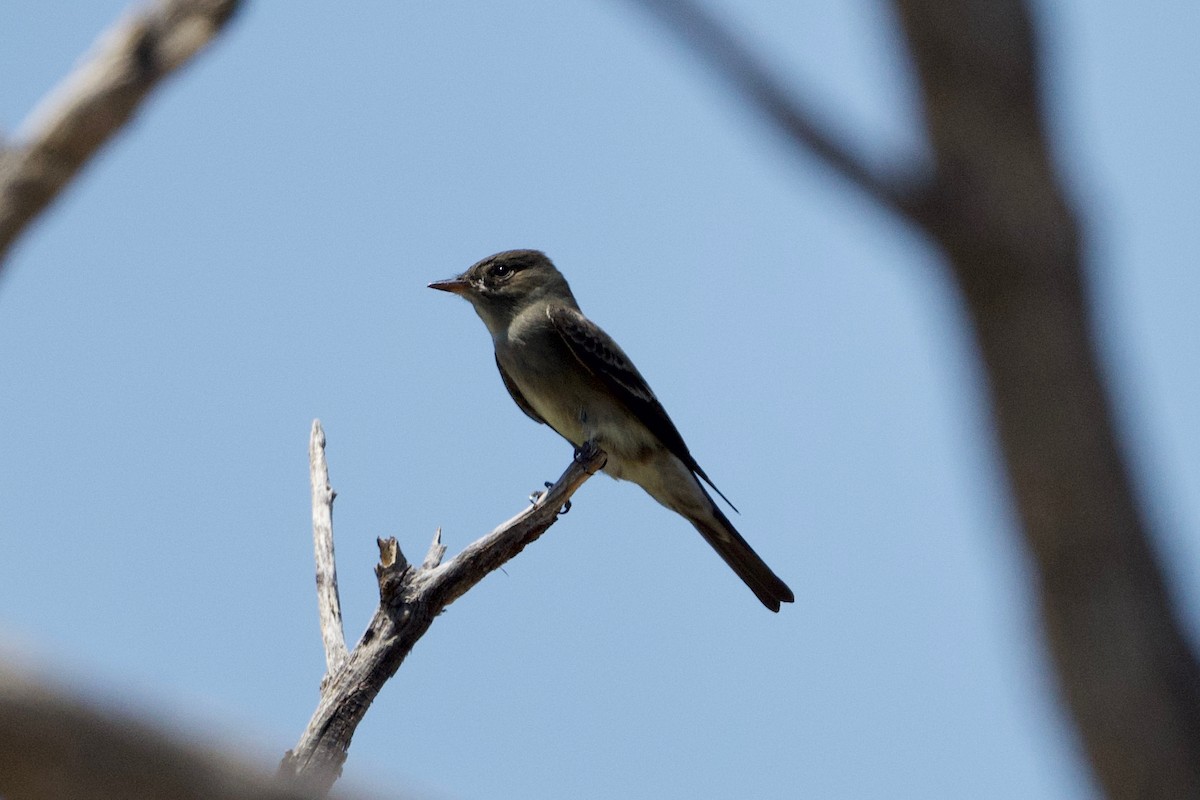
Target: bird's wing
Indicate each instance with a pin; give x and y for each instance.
(517, 397)
(601, 356)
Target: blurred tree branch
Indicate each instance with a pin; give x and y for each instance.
(56, 747)
(409, 600)
(96, 100)
(784, 107)
(994, 205)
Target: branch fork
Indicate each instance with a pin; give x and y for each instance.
(410, 598)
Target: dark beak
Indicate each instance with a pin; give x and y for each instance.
(454, 285)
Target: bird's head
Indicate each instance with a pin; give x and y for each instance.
(505, 284)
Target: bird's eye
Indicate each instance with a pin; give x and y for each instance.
(500, 270)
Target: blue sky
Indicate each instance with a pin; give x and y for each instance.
(253, 253)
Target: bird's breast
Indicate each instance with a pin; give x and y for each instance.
(573, 401)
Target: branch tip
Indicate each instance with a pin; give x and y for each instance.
(436, 551)
(389, 552)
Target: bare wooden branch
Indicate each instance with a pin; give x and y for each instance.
(96, 100)
(409, 600)
(329, 605)
(56, 746)
(781, 105)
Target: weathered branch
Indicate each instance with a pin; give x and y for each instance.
(329, 605)
(756, 85)
(55, 746)
(96, 100)
(997, 209)
(409, 600)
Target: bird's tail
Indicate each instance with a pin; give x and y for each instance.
(719, 532)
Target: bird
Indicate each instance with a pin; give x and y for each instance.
(562, 370)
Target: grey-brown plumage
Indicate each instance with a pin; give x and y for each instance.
(564, 371)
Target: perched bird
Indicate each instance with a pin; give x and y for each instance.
(563, 371)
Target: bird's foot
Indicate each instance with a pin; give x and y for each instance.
(536, 497)
(586, 451)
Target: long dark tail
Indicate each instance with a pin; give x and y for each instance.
(742, 559)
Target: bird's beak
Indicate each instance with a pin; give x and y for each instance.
(455, 285)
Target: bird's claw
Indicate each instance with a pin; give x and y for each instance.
(586, 451)
(536, 497)
(537, 494)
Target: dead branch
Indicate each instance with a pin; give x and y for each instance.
(329, 605)
(409, 600)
